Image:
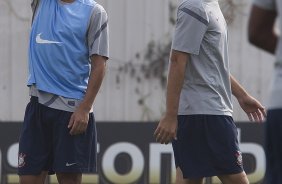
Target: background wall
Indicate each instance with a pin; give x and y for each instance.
(133, 25)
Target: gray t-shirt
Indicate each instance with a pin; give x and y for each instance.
(201, 31)
(98, 43)
(275, 100)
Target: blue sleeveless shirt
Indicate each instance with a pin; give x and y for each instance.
(58, 51)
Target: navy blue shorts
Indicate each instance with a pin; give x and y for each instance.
(46, 145)
(206, 146)
(273, 147)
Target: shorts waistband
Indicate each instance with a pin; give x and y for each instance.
(33, 99)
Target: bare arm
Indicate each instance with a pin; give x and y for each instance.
(261, 29)
(250, 105)
(237, 90)
(79, 120)
(98, 68)
(175, 81)
(166, 130)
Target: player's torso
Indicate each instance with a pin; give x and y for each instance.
(58, 54)
(207, 84)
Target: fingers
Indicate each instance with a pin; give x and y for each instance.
(250, 117)
(257, 116)
(74, 128)
(263, 111)
(260, 115)
(164, 137)
(78, 126)
(157, 131)
(71, 122)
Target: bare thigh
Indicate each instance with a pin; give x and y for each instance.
(181, 180)
(34, 179)
(240, 178)
(69, 178)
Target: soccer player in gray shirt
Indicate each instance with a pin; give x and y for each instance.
(262, 35)
(198, 118)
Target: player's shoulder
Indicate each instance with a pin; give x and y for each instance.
(196, 6)
(99, 9)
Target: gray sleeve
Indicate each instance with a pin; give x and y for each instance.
(191, 26)
(34, 6)
(98, 33)
(265, 4)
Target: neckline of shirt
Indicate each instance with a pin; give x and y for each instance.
(66, 3)
(209, 1)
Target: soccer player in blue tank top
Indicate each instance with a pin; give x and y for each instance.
(68, 50)
(262, 35)
(198, 118)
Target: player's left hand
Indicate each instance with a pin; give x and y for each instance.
(78, 121)
(166, 130)
(253, 108)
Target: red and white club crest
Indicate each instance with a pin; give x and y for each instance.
(238, 155)
(21, 161)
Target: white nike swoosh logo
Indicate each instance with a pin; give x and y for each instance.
(70, 164)
(42, 41)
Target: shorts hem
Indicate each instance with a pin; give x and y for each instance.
(31, 172)
(79, 170)
(51, 172)
(212, 174)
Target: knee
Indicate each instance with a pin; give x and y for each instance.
(181, 180)
(240, 178)
(69, 178)
(244, 178)
(33, 179)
